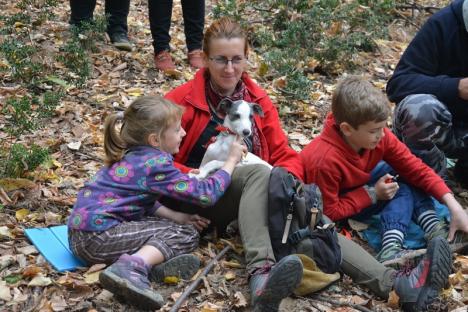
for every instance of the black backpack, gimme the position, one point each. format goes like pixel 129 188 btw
pixel 296 222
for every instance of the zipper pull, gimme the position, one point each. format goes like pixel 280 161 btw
pixel 286 228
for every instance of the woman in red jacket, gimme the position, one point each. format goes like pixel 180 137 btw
pixel 225 50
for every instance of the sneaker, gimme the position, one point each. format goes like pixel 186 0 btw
pixel 441 229
pixel 195 58
pixel 394 251
pixel 163 61
pixel 127 278
pixel 269 285
pixel 182 266
pixel 120 41
pixel 421 286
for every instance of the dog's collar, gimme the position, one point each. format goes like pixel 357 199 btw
pixel 223 129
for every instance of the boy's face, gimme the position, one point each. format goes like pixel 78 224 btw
pixel 367 135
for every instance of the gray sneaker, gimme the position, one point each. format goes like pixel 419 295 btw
pixel 420 287
pixel 182 266
pixel 120 41
pixel 394 251
pixel 268 286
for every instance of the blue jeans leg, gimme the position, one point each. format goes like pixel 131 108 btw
pixel 395 214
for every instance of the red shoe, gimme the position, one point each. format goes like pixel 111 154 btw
pixel 195 58
pixel 163 61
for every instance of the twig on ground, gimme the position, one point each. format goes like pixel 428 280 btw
pixel 419 252
pixel 336 302
pixel 198 280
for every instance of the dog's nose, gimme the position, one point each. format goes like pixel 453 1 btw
pixel 246 132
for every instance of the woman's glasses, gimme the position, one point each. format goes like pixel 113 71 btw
pixel 224 61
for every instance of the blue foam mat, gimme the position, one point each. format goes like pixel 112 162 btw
pixel 52 243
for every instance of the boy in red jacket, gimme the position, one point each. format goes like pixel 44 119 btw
pixel 354 161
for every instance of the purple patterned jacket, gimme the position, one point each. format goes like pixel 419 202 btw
pixel 130 189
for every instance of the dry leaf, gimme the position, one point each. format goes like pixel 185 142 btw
pixel 21 214
pixel 28 250
pixel 74 146
pixel 6 260
pixel 31 271
pixel 393 300
pixel 171 280
pixel 5 293
pixel 240 300
pixel 96 267
pixel 5 232
pixel 230 275
pixel 92 278
pixel 40 280
pixel 9 184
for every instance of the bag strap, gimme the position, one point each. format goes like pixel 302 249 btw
pixel 313 217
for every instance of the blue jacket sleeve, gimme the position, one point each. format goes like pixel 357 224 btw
pixel 419 69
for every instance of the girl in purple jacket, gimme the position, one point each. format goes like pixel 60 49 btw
pixel 118 217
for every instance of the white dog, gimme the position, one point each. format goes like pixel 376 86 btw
pixel 238 121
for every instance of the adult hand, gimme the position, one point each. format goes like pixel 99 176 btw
pixel 463 88
pixel 458 216
pixel 385 190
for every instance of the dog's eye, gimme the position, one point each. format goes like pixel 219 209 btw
pixel 235 116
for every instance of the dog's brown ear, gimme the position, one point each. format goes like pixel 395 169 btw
pixel 225 105
pixel 257 109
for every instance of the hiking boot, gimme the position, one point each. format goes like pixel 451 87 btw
pixel 195 58
pixel 441 229
pixel 269 285
pixel 420 287
pixel 120 41
pixel 128 278
pixel 182 266
pixel 163 61
pixel 390 253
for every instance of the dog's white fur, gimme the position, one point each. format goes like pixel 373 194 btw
pixel 239 118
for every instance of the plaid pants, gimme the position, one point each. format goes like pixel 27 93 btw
pixel 428 128
pixel 170 238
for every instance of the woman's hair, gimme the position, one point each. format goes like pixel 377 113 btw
pixel 356 101
pixel 145 115
pixel 224 28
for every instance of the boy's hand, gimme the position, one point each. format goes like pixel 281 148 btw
pixel 197 221
pixel 386 190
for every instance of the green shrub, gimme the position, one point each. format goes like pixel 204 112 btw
pixel 22 158
pixel 331 32
pixel 21 58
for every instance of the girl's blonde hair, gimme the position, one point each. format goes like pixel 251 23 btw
pixel 224 28
pixel 145 115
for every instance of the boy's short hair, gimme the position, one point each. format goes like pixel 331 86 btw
pixel 356 101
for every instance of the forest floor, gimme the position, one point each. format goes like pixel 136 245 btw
pixel 74 135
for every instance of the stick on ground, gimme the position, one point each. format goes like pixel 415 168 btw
pixel 196 282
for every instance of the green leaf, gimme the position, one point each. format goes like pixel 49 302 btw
pixel 58 81
pixel 13 278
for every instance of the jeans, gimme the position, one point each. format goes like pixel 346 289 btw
pixel 116 10
pixel 160 13
pixel 407 204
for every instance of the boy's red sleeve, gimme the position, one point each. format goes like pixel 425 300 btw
pixel 335 205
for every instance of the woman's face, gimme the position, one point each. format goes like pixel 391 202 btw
pixel 226 62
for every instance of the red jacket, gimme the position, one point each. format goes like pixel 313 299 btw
pixel 335 167
pixel 275 149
